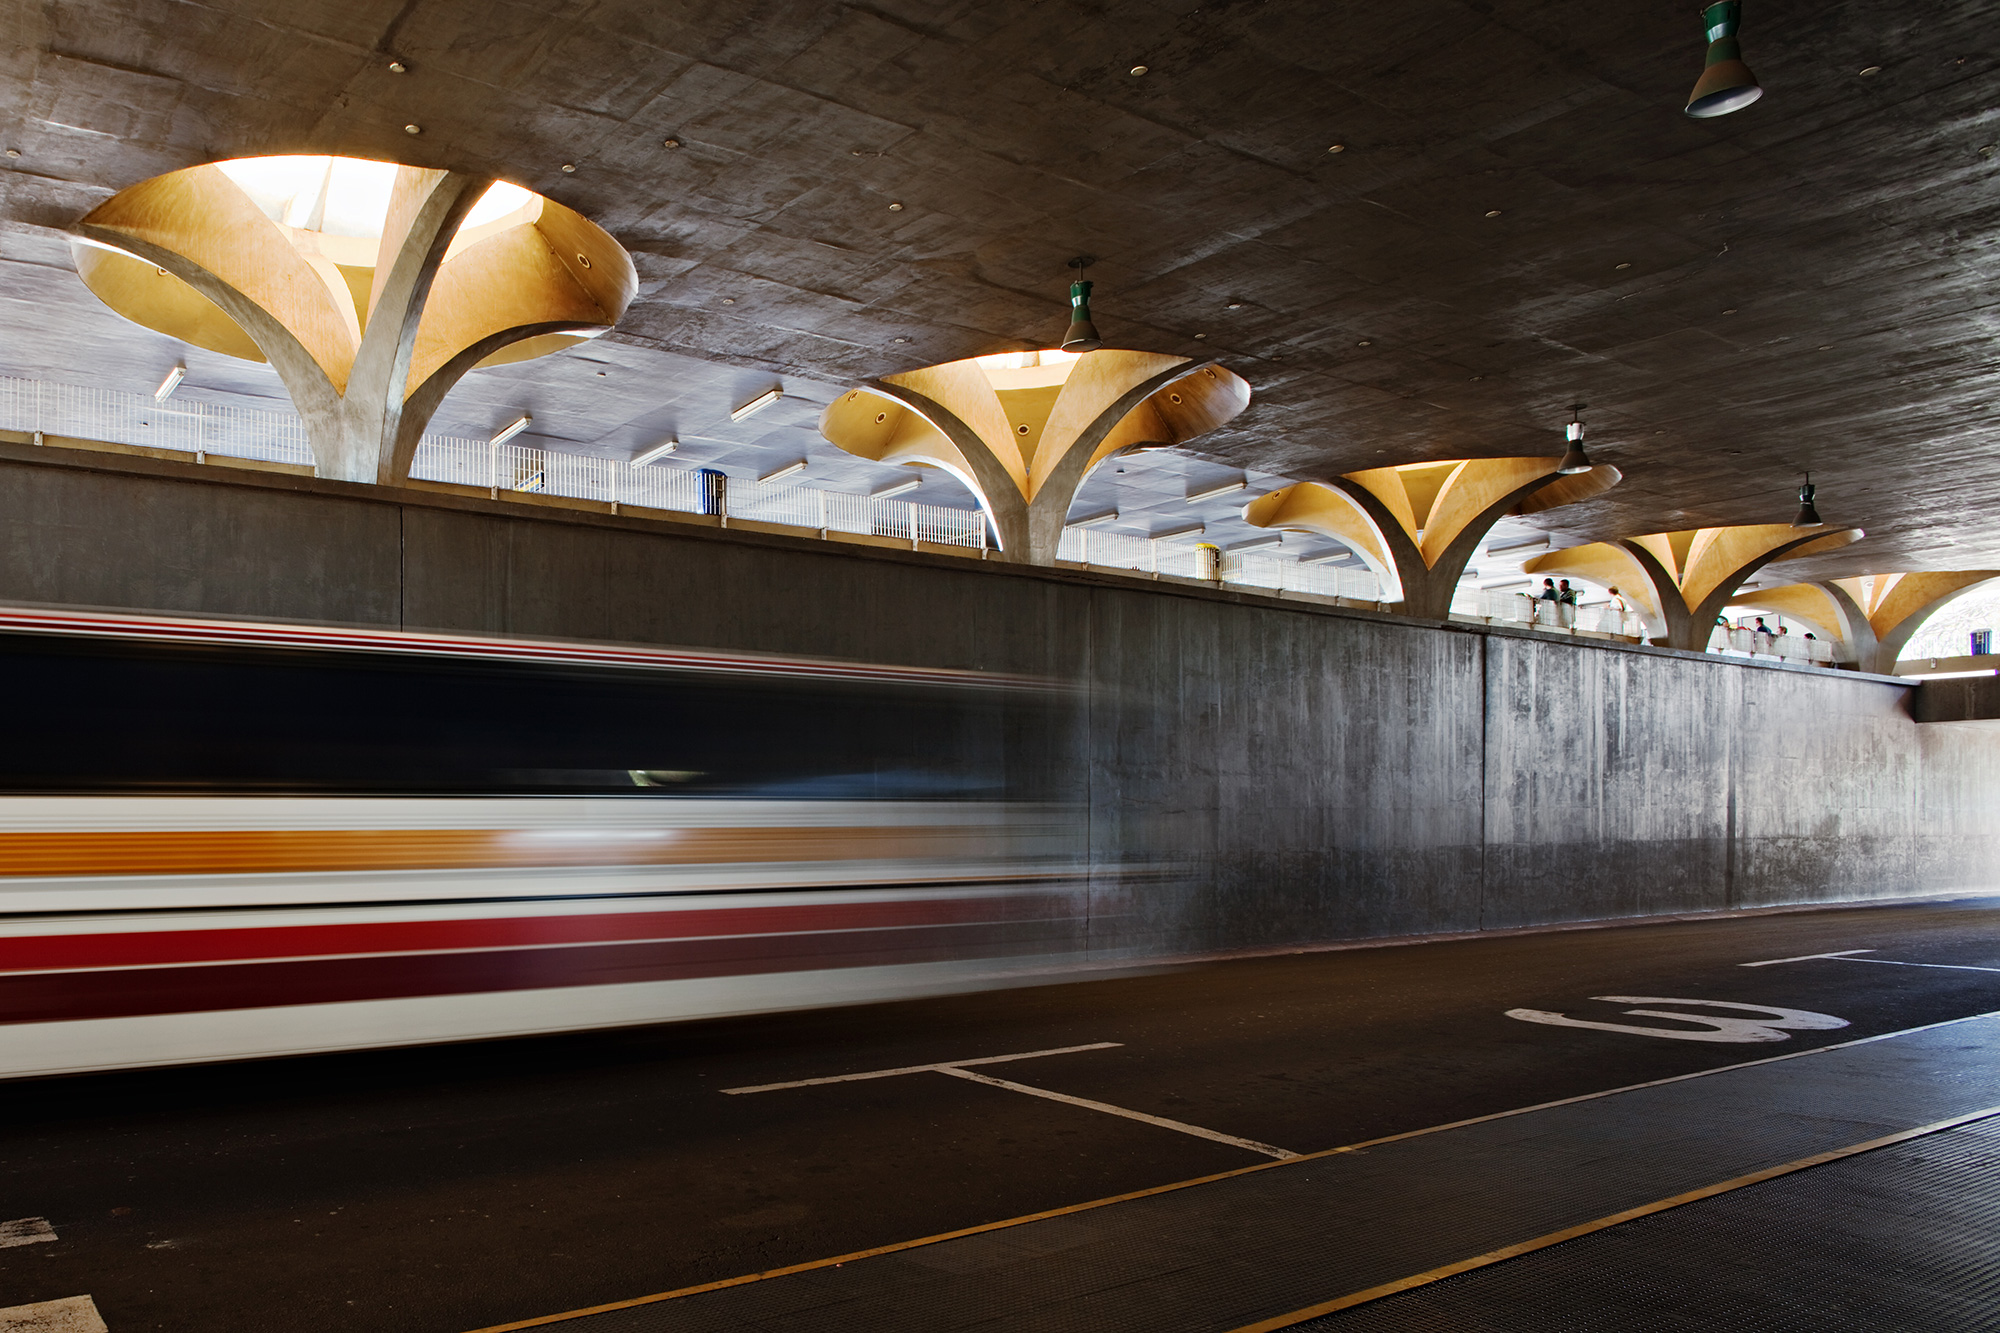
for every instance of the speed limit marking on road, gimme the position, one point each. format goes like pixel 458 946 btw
pixel 1770 1024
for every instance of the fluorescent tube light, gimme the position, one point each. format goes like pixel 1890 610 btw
pixel 511 429
pixel 789 469
pixel 1257 543
pixel 1184 530
pixel 169 384
pixel 1092 520
pixel 757 404
pixel 1506 583
pixel 656 453
pixel 900 488
pixel 1225 488
pixel 1323 558
pixel 1530 544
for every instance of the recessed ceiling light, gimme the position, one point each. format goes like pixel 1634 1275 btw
pixel 1871 70
pixel 15 152
pixel 413 129
pixel 1336 148
pixel 899 340
pixel 1234 305
pixel 1622 266
pixel 1826 347
pixel 1492 212
pixel 1138 70
pixel 1477 378
pixel 398 67
pixel 895 208
pixel 670 143
pixel 729 300
pixel 569 166
pixel 1730 311
pixel 1201 335
pixel 1366 342
pixel 600 374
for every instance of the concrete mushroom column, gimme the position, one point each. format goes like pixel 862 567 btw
pixel 368 334
pixel 1683 579
pixel 1022 431
pixel 1874 614
pixel 1421 522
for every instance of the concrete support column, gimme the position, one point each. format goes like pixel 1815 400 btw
pixel 1417 526
pixel 1023 434
pixel 367 340
pixel 1685 578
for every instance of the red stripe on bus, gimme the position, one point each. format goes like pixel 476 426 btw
pixel 150 948
pixel 68 996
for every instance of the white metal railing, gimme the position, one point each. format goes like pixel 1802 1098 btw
pixel 1508 608
pixel 189 425
pixel 184 424
pixel 1793 647
pixel 1181 559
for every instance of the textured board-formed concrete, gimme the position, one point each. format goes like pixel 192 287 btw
pixel 1905 1237
pixel 1255 1246
pixel 1295 773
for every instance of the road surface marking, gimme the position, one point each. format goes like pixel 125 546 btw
pixel 26 1231
pixel 1805 957
pixel 1603 1223
pixel 72 1314
pixel 1067 1210
pixel 1775 1027
pixel 921 1069
pixel 1196 1130
pixel 1847 956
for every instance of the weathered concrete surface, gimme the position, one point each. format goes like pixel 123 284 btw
pixel 1293 773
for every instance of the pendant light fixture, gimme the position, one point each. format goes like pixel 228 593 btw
pixel 1808 516
pixel 1726 84
pixel 1082 335
pixel 1574 460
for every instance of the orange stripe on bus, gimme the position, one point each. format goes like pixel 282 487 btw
pixel 247 851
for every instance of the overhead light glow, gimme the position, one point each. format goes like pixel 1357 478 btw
pixel 511 429
pixel 656 453
pixel 757 404
pixel 169 384
pixel 1241 483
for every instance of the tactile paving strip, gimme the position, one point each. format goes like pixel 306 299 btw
pixel 1225 1254
pixel 1906 1237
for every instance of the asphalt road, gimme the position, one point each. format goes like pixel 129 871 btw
pixel 452 1188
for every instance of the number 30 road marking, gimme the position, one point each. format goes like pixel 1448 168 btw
pixel 1770 1026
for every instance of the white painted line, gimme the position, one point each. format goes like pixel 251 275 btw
pixel 1196 1130
pixel 1949 967
pixel 1805 958
pixel 26 1231
pixel 921 1069
pixel 72 1314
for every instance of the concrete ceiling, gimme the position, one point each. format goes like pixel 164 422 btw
pixel 1806 284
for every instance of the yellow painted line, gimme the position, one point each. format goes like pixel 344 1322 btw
pixel 541 1321
pixel 1586 1228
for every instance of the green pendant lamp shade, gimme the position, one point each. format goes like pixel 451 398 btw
pixel 1727 84
pixel 1082 335
pixel 1808 514
pixel 1574 460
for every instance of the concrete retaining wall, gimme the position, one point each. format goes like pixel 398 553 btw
pixel 1307 773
